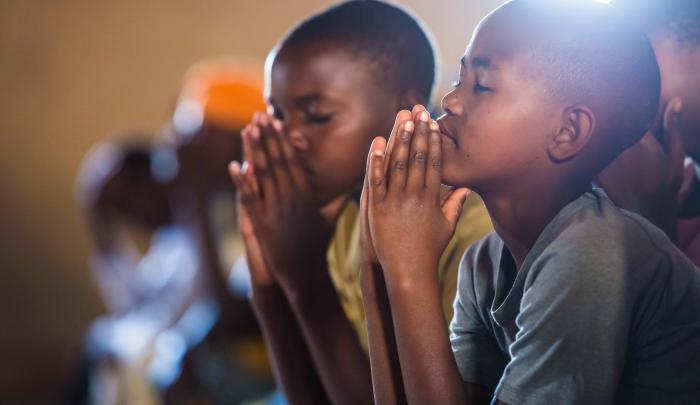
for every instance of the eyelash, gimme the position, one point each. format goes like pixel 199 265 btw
pixel 313 119
pixel 318 119
pixel 478 88
pixel 276 113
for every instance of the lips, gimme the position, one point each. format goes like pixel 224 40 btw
pixel 446 132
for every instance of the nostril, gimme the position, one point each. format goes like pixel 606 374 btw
pixel 450 103
pixel 298 140
pixel 446 107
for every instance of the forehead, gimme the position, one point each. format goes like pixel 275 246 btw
pixel 318 70
pixel 500 38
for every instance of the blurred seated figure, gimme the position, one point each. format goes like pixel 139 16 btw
pixel 218 98
pixel 119 194
pixel 156 301
pixel 164 227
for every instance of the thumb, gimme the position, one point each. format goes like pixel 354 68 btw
pixel 452 204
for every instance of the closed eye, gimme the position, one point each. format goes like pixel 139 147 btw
pixel 276 112
pixel 479 88
pixel 319 118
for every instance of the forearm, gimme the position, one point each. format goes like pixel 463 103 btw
pixel 332 341
pixel 428 367
pixel 383 355
pixel 201 229
pixel 292 365
pixel 235 314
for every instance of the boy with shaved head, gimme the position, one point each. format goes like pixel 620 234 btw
pixel 572 300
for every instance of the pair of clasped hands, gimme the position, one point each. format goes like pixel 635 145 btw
pixel 405 220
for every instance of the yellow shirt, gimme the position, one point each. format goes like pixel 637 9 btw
pixel 344 259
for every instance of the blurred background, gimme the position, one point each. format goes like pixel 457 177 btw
pixel 73 72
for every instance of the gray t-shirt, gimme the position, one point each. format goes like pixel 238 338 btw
pixel 605 309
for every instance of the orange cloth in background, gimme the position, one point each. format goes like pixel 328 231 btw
pixel 228 91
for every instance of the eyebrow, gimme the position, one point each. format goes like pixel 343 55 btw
pixel 304 102
pixel 483 63
pixel 309 98
pixel 301 101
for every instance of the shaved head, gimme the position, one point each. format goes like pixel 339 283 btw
pixel 584 52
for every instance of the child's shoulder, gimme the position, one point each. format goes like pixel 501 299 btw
pixel 603 243
pixel 594 224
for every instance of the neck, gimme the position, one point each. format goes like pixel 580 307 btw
pixel 519 215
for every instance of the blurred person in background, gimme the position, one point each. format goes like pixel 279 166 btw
pixel 145 267
pixel 174 330
pixel 218 98
pixel 658 177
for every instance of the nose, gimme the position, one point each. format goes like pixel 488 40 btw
pixel 451 103
pixel 297 135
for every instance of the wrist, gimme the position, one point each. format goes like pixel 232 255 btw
pixel 411 276
pixel 266 296
pixel 313 295
pixel 413 292
pixel 369 266
pixel 371 277
pixel 296 276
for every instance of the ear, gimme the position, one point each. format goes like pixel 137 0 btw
pixel 410 98
pixel 577 126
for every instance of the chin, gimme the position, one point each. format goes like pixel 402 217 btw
pixel 323 195
pixel 454 177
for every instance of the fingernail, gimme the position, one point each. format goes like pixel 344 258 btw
pixel 408 126
pixel 424 116
pixel 234 167
pixel 276 124
pixel 434 126
pixel 244 168
pixel 377 153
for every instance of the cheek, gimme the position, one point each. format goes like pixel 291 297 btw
pixel 493 143
pixel 339 159
pixel 488 130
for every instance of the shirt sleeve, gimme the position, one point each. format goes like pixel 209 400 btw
pixel 573 327
pixel 476 351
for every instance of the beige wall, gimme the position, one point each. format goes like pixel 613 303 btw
pixel 75 71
